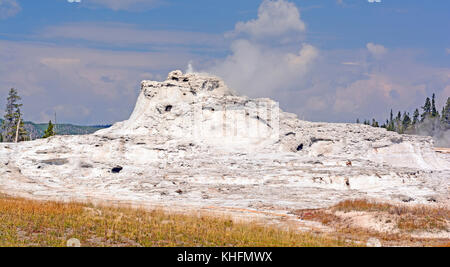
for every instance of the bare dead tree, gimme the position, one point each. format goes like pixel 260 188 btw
pixel 17 131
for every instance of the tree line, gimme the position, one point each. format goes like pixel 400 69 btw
pixel 426 121
pixel 12 128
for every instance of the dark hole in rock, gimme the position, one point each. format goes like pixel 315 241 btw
pixel 347 182
pixel 179 191
pixel 169 108
pixel 175 79
pixel 185 80
pixel 86 166
pixel 117 169
pixel 300 147
pixel 290 133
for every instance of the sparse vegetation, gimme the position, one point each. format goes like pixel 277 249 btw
pixel 33 223
pixel 414 218
pixel 402 221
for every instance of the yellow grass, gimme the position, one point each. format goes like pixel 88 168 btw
pixel 33 223
pixel 409 218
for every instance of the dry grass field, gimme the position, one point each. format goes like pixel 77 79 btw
pixel 26 222
pixel 34 223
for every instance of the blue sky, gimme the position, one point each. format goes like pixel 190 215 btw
pixel 330 60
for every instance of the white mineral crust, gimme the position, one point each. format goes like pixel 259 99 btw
pixel 191 141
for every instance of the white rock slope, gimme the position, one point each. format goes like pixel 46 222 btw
pixel 191 141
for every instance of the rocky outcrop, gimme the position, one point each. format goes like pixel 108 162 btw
pixel 193 141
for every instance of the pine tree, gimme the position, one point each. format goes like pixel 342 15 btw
pixel 375 123
pixel 445 120
pixel 357 121
pixel 434 112
pixel 416 117
pixel 426 109
pixel 12 118
pixel 406 123
pixel 49 132
pixel 398 123
pixel 390 124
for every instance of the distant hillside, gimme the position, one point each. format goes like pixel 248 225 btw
pixel 36 130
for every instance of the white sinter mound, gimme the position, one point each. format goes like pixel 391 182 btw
pixel 191 141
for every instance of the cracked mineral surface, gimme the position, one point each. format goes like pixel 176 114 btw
pixel 192 142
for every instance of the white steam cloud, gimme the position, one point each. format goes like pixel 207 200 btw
pixel 258 68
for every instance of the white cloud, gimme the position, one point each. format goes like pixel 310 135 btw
pixel 374 1
pixel 259 69
pixel 95 86
pixel 275 18
pixel 375 94
pixel 376 50
pixel 370 88
pixel 9 8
